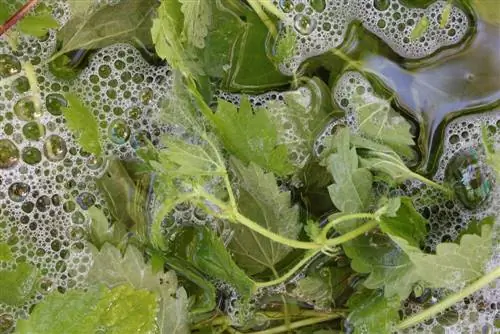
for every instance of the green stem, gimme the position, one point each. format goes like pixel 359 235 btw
pixel 267 5
pixel 299 324
pixel 307 257
pixel 257 8
pixel 344 218
pixel 436 185
pixel 352 234
pixel 450 300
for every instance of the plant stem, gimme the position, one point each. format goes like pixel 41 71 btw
pixel 307 257
pixel 344 218
pixel 17 16
pixel 352 234
pixel 267 5
pixel 450 300
pixel 257 8
pixel 298 324
pixel 436 185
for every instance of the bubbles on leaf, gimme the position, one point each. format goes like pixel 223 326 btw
pixel 9 65
pixel 9 154
pixel 18 191
pixel 119 131
pixel 55 148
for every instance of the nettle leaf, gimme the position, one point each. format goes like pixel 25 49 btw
pixel 348 178
pixel 37 25
pixel 453 265
pixel 376 254
pixel 197 18
pixel 301 116
pixel 122 309
pixel 18 284
pixel 83 124
pixel 261 200
pixel 210 255
pixel 251 135
pixel 126 21
pixel 371 312
pixel 113 269
pixel 378 121
pixel 321 287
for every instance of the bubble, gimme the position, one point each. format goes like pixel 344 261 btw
pixel 134 112
pixel 381 4
pixel 18 191
pixel 119 131
pixel 21 85
pixel 31 155
pixel 147 96
pixel 9 65
pixel 45 285
pixel 318 5
pixel 86 200
pixel 33 130
pixel 9 154
pixel 43 203
pixel 140 139
pixel 467 175
pixel 54 103
pixel 286 5
pixel 55 148
pixel 6 320
pixel 27 109
pixel 304 24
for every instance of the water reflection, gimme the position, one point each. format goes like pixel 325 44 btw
pixel 465 80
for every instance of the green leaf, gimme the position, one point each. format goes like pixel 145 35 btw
pixel 113 269
pixel 126 21
pixel 453 265
pixel 210 255
pixel 378 121
pixel 285 45
pixel 197 17
pixel 376 254
pixel 250 135
pixel 18 284
pixel 82 124
pixel 261 200
pixel 321 287
pixel 349 178
pixel 118 310
pixel 37 25
pixel 371 312
pixel 5 252
pixel 301 116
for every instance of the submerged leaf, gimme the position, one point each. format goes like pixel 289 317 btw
pixel 126 21
pixel 261 200
pixel 18 284
pixel 83 124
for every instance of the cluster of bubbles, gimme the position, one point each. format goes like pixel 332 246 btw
pixel 47 180
pixel 477 195
pixel 323 25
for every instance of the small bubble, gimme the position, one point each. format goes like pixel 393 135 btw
pixel 43 203
pixel 9 154
pixel 6 320
pixel 54 148
pixel 33 130
pixel 119 131
pixel 9 65
pixel 18 191
pixel 85 200
pixel 28 108
pixel 318 5
pixel 55 103
pixel 31 155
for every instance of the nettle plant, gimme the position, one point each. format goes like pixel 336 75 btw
pixel 261 256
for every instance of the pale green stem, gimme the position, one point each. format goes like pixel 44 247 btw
pixel 307 257
pixel 267 5
pixel 450 300
pixel 436 185
pixel 233 214
pixel 344 218
pixel 257 8
pixel 299 324
pixel 352 234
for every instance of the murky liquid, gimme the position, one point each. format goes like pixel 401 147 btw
pixel 447 85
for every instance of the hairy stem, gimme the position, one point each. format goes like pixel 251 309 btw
pixel 332 223
pixel 450 300
pixel 17 16
pixel 307 257
pixel 352 234
pixel 299 324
